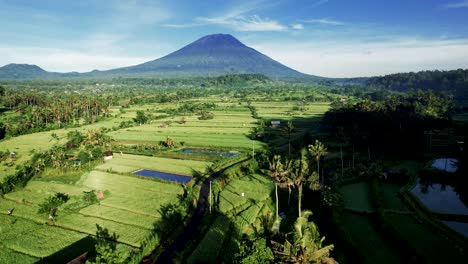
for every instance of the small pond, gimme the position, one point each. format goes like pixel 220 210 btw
pixel 439 198
pixel 164 176
pixel 460 227
pixel 224 154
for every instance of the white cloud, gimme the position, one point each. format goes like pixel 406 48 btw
pixel 297 26
pixel 238 19
pixel 362 58
pixel 241 23
pixel 457 5
pixel 62 60
pixel 324 21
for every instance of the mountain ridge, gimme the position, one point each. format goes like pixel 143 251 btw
pixel 211 55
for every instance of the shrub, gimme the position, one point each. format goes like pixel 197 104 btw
pixel 206 115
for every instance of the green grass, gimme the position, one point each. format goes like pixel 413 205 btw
pixel 254 187
pixel 390 197
pixel 130 208
pixel 228 129
pixel 366 238
pixel 9 256
pixel 122 215
pixel 38 240
pixel 357 196
pixel 210 246
pixel 128 234
pixel 127 163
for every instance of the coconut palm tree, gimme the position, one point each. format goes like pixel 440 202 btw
pixel 277 171
pixel 304 244
pixel 289 130
pixel 318 150
pixel 301 174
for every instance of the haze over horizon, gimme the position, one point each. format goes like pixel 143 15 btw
pixel 323 37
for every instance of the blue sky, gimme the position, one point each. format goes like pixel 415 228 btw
pixel 334 38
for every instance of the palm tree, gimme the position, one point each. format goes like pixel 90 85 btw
pixel 318 150
pixel 342 140
pixel 289 130
pixel 300 174
pixel 277 171
pixel 304 244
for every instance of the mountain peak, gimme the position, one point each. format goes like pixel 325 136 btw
pixel 218 40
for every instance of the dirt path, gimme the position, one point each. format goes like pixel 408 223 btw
pixel 192 227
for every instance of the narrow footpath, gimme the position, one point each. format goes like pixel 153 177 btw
pixel 192 228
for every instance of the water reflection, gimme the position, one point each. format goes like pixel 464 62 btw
pixel 439 197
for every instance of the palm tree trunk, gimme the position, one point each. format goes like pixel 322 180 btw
pixel 342 165
pixel 300 199
pixel 353 155
pixel 368 150
pixel 289 195
pixel 318 167
pixel 276 193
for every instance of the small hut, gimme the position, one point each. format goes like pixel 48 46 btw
pixel 275 123
pixel 108 155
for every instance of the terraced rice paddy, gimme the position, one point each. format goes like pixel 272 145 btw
pixel 228 129
pixel 130 208
pixel 357 197
pixel 127 163
pixel 425 241
pixel 243 212
pixel 365 236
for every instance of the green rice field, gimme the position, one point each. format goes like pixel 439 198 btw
pixel 357 196
pixel 127 163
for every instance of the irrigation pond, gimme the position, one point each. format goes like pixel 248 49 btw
pixel 164 176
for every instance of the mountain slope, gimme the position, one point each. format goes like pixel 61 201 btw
pixel 22 71
pixel 212 55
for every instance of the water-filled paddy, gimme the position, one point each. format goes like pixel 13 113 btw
pixel 439 198
pixel 460 227
pixel 446 164
pixel 164 176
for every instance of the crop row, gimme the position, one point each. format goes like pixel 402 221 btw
pixel 208 249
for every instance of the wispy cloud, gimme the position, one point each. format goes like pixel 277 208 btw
pixel 297 26
pixel 324 21
pixel 239 18
pixel 462 4
pixel 241 23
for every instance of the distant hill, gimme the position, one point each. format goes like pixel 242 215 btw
pixel 454 82
pixel 22 71
pixel 212 55
pixel 425 80
pixel 29 71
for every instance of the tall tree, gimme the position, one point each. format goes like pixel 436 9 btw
pixel 288 130
pixel 300 174
pixel 277 171
pixel 318 150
